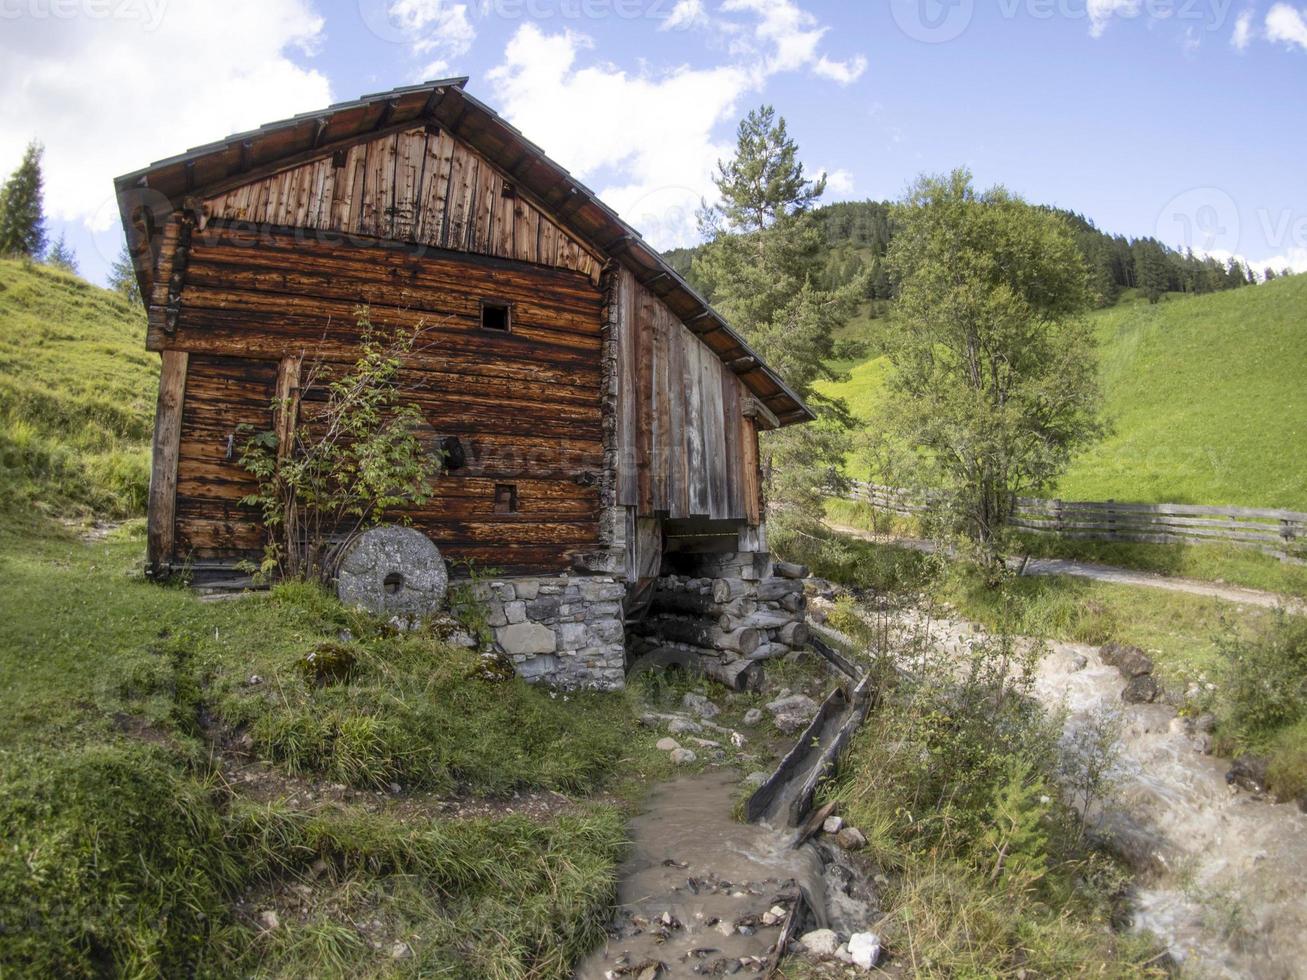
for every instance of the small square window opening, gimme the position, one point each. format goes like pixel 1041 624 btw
pixel 505 498
pixel 496 316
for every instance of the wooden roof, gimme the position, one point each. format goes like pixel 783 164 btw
pixel 146 196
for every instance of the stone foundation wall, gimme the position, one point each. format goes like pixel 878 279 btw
pixel 564 630
pixel 736 609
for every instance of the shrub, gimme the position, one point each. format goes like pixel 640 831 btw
pixel 325 478
pixel 1265 682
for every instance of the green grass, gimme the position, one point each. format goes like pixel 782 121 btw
pixel 131 848
pixel 76 397
pixel 1205 395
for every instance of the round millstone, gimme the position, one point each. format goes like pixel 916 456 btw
pixel 395 572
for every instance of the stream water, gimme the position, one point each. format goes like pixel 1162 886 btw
pixel 1220 871
pixel 698 891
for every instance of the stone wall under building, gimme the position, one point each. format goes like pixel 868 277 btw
pixel 563 630
pixel 726 610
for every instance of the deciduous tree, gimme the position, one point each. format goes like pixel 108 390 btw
pixel 994 383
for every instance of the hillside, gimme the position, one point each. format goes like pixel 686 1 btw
pixel 1205 394
pixel 76 396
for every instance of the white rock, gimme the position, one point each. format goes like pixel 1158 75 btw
pixel 268 919
pixel 683 757
pixel 400 951
pixel 832 825
pixel 821 942
pixel 667 745
pixel 864 948
pixel 775 914
pixel 753 716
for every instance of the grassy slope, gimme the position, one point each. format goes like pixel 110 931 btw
pixel 156 800
pixel 76 396
pixel 1205 393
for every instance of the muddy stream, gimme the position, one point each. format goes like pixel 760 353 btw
pixel 703 895
pixel 1220 871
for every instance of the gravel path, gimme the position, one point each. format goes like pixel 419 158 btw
pixel 1112 573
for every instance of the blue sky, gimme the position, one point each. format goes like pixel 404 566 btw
pixel 1177 118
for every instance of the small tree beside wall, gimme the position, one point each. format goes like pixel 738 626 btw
pixel 994 382
pixel 335 466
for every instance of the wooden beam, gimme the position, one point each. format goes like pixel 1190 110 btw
pixel 760 413
pixel 286 406
pixel 387 113
pixel 319 130
pixel 161 525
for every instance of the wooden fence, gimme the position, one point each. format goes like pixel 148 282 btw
pixel 1279 532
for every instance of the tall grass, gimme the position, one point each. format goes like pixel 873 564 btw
pixel 76 397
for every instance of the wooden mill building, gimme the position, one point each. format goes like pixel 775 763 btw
pixel 604 414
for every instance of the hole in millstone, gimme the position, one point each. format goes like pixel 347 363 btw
pixel 392 583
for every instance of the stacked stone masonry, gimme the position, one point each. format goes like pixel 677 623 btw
pixel 565 630
pixel 728 614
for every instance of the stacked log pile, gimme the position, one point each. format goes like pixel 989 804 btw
pixel 730 622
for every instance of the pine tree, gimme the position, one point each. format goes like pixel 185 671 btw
pixel 761 268
pixel 22 217
pixel 122 276
pixel 1151 270
pixel 62 255
pixel 1269 274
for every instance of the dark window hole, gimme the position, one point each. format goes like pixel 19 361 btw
pixel 496 316
pixel 505 498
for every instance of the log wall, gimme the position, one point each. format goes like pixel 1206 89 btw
pixel 525 404
pixel 684 438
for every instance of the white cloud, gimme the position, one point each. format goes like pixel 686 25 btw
pixel 839 183
pixel 659 146
pixel 843 72
pixel 1102 11
pixel 1243 31
pixel 686 14
pixel 1294 258
pixel 658 132
pixel 433 28
pixel 109 95
pixel 1287 24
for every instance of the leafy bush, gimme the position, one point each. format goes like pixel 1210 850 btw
pixel 951 779
pixel 1266 682
pixel 325 476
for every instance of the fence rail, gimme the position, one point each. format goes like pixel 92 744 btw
pixel 1279 532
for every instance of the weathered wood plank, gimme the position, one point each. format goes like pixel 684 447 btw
pixel 628 494
pixel 645 402
pixel 697 466
pixel 161 527
pixel 751 472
